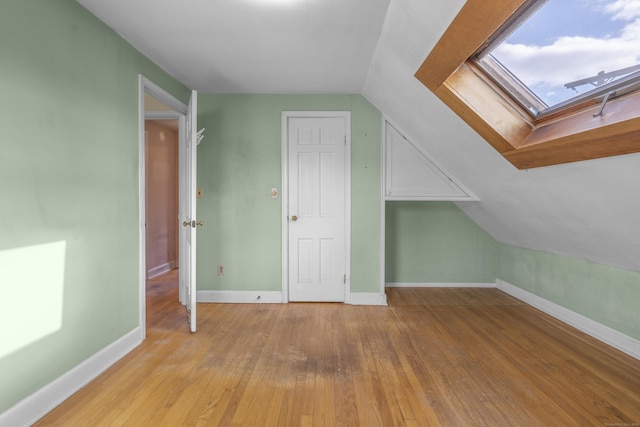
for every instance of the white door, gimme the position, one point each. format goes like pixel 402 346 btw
pixel 317 148
pixel 188 222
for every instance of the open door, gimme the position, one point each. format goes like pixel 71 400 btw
pixel 187 177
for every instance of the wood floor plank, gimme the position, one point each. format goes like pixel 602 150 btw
pixel 432 357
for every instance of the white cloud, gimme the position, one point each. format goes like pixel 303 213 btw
pixel 624 9
pixel 631 32
pixel 571 58
pixel 568 59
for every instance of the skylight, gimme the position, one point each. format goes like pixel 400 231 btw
pixel 560 52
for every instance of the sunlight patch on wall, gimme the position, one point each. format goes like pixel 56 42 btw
pixel 32 288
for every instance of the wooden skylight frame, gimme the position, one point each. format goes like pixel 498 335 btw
pixel 569 136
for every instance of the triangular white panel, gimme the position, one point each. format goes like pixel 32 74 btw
pixel 411 175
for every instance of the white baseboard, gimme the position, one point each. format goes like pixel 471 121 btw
pixel 275 297
pixel 439 285
pixel 367 298
pixel 161 269
pixel 609 336
pixel 240 297
pixel 33 407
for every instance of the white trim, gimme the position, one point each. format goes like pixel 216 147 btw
pixel 430 199
pixel 618 340
pixel 383 210
pixel 439 285
pixel 469 196
pixel 284 197
pixel 147 86
pixel 182 264
pixel 347 203
pixel 367 298
pixel 33 407
pixel 142 210
pixel 161 269
pixel 240 297
pixel 162 95
pixel 286 115
pixel 161 115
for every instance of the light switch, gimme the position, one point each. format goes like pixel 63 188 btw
pixel 274 193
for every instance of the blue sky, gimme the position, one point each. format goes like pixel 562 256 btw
pixel 567 40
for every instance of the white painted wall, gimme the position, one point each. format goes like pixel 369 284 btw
pixel 588 210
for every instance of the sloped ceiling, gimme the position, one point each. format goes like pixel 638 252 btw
pixel 588 210
pixel 253 46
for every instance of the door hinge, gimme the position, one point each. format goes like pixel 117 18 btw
pixel 344 279
pixel 345 140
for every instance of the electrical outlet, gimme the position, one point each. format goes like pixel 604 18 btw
pixel 220 270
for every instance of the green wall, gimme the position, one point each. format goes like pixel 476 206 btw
pixel 69 217
pixel 608 295
pixel 68 189
pixel 436 242
pixel 239 161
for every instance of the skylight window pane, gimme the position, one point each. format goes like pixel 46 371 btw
pixel 567 48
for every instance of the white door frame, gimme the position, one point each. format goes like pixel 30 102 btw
pixel 286 115
pixel 180 109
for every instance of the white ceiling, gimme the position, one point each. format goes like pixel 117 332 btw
pixel 588 210
pixel 253 46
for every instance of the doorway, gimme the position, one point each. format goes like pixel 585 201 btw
pixel 316 206
pixel 186 118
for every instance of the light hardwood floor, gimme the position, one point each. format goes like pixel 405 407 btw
pixel 450 357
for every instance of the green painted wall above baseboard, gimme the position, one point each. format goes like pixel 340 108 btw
pixel 239 161
pixel 607 295
pixel 69 245
pixel 436 242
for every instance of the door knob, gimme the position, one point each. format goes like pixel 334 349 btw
pixel 192 223
pixel 294 218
